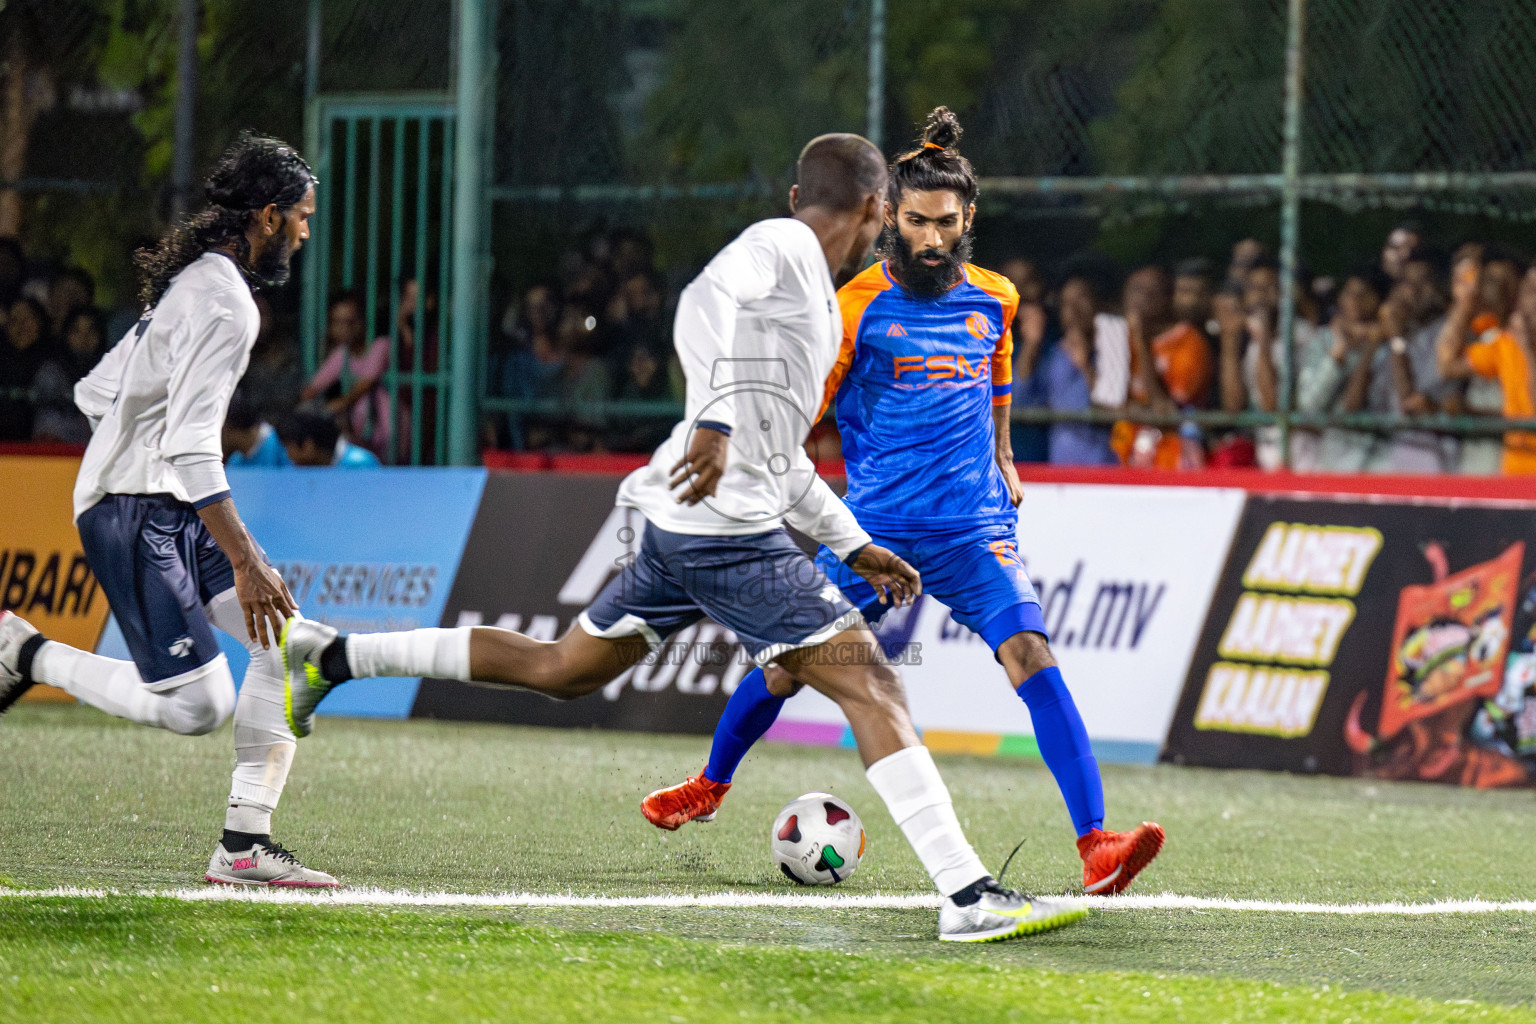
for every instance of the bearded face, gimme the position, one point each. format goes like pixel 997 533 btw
pixel 927 241
pixel 271 267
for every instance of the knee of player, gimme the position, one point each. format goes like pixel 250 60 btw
pixel 552 675
pixel 1026 653
pixel 199 708
pixel 877 686
pixel 780 683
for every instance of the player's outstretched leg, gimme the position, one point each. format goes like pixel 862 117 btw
pixel 191 703
pixel 850 670
pixel 316 659
pixel 1111 860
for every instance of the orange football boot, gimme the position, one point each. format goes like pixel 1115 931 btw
pixel 696 799
pixel 1111 860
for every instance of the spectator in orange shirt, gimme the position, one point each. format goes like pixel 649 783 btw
pixel 1474 343
pixel 1171 369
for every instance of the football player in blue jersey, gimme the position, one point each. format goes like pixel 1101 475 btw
pixel 921 390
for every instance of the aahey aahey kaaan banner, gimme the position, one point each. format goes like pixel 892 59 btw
pixel 1389 639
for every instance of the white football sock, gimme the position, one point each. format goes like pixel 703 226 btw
pixel 909 783
pixel 434 653
pixel 264 745
pixel 192 703
pixel 264 749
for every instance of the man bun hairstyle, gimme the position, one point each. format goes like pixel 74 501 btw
pixel 838 171
pixel 253 173
pixel 936 163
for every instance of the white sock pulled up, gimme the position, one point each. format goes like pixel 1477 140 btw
pixel 264 749
pixel 434 653
pixel 909 783
pixel 264 745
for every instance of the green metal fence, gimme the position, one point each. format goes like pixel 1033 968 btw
pixel 383 227
pixel 623 111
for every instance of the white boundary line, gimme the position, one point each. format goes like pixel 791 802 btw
pixel 737 900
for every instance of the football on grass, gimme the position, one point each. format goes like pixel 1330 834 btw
pixel 818 840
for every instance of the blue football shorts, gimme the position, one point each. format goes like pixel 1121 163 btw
pixel 978 574
pixel 159 566
pixel 762 587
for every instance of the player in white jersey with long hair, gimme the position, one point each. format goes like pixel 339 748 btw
pixel 757 333
pixel 156 519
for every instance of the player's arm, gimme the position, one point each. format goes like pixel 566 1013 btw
pixel 1002 400
pixel 1451 346
pixel 197 399
pixel 704 334
pixel 1001 426
pixel 1147 378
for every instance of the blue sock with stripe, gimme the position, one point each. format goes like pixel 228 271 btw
pixel 751 710
pixel 1063 742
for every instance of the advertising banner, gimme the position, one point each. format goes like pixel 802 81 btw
pixel 364 550
pixel 43 575
pixel 1124 574
pixel 1390 639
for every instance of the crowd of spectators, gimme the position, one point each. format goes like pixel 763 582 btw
pixel 51 334
pixel 1413 333
pixel 598 332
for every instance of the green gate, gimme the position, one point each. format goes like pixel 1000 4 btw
pixel 383 219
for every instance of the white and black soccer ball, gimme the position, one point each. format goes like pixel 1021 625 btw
pixel 818 840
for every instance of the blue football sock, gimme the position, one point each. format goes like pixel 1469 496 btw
pixel 752 709
pixel 1063 742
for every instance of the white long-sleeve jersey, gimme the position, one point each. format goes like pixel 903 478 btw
pixel 157 400
pixel 757 333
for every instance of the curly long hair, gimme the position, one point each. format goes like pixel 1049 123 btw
pixel 254 172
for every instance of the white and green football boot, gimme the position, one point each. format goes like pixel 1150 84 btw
pixel 303 685
pixel 1000 914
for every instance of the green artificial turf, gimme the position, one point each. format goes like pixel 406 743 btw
pixel 155 960
pixel 87 801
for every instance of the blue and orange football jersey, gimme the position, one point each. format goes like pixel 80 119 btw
pixel 913 391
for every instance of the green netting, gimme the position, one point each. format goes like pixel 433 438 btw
pixel 1420 85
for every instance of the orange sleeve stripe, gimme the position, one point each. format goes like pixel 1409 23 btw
pixel 1002 358
pixel 853 299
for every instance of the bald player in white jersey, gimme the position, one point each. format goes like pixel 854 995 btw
pixel 757 334
pixel 156 520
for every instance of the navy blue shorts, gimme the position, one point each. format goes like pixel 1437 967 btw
pixel 158 565
pixel 762 587
pixel 978 574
